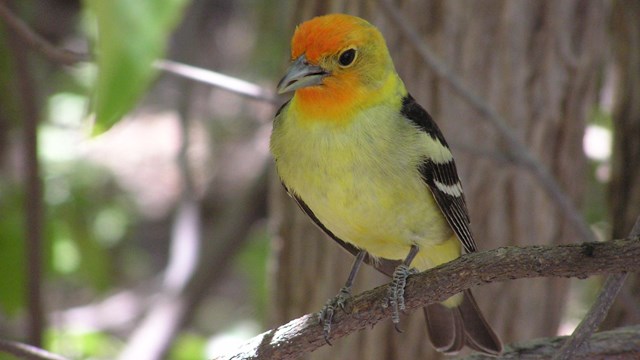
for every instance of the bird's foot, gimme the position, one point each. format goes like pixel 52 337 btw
pixel 325 316
pixel 395 296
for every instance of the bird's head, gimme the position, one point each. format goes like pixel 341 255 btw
pixel 337 61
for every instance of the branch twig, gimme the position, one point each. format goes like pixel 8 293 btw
pixel 598 311
pixel 518 150
pixel 37 42
pixel 33 204
pixel 24 351
pixel 303 335
pixel 621 343
pixel 67 57
pixel 225 82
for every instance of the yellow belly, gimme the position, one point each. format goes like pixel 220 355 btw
pixel 383 215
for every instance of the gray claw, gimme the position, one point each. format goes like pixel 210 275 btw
pixel 395 295
pixel 325 316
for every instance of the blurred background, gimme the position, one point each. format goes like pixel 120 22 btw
pixel 140 217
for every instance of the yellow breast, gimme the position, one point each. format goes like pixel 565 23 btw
pixel 361 179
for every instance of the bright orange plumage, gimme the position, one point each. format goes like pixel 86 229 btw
pixel 326 35
pixel 322 40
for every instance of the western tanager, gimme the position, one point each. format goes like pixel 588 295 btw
pixel 371 168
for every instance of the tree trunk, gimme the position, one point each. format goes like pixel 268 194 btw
pixel 537 64
pixel 624 189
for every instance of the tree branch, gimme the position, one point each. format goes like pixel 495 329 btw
pixel 222 81
pixel 29 116
pixel 37 42
pixel 24 351
pixel 622 343
pixel 598 311
pixel 304 335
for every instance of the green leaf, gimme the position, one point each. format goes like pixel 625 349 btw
pixel 131 35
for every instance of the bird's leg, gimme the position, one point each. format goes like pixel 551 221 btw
pixel 326 314
pixel 395 296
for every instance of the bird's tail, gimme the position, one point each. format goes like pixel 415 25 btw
pixel 452 328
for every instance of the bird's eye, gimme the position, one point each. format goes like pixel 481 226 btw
pixel 347 57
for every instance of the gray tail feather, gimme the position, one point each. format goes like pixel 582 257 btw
pixel 452 328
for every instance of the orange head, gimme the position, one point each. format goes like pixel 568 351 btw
pixel 338 61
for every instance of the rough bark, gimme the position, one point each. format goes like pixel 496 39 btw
pixel 624 189
pixel 536 63
pixel 619 344
pixel 303 335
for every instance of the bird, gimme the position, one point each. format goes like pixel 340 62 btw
pixel 371 168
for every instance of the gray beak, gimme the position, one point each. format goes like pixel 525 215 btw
pixel 301 74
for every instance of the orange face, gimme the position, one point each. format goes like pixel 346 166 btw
pixel 338 60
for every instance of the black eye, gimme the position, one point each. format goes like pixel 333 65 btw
pixel 347 57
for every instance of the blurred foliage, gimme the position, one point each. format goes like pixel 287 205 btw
pixel 188 346
pixel 97 243
pixel 252 262
pixel 91 216
pixel 12 275
pixel 86 217
pixel 130 36
pixel 86 212
pixel 99 345
pixel 602 117
pixel 82 344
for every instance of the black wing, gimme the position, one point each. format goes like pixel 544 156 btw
pixel 442 176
